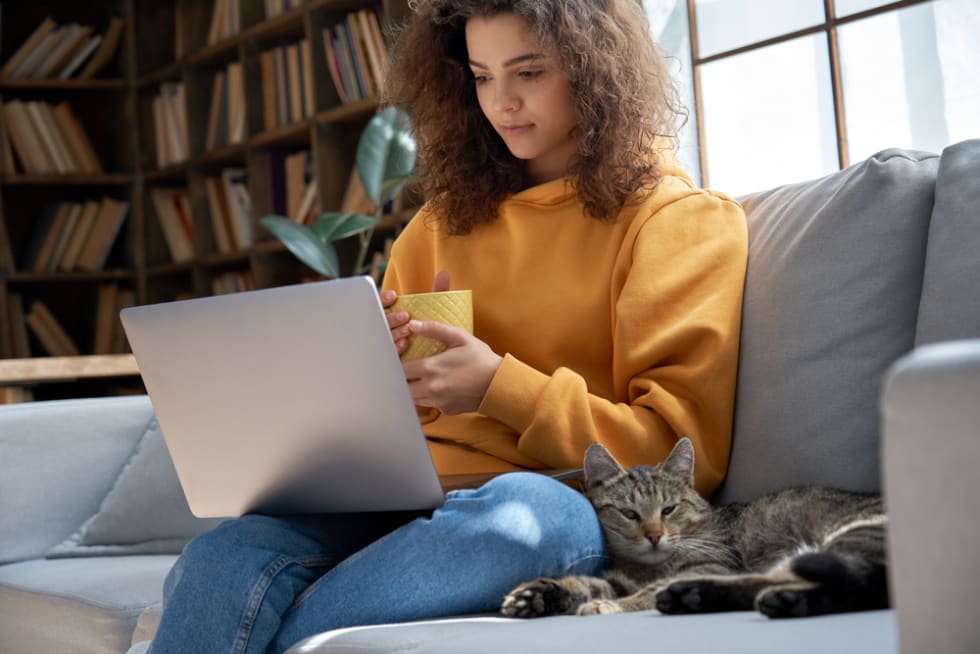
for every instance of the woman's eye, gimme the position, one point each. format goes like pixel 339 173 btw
pixel 629 514
pixel 529 74
pixel 667 510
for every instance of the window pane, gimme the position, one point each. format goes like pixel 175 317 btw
pixel 910 78
pixel 769 116
pixel 727 24
pixel 848 7
pixel 669 26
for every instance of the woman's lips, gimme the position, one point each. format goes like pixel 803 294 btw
pixel 514 130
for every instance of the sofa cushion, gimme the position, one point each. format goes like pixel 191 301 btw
pixel 85 606
pixel 145 512
pixel 59 460
pixel 831 296
pixel 732 633
pixel 950 307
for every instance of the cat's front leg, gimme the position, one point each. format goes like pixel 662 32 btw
pixel 545 596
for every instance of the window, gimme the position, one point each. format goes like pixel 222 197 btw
pixel 786 91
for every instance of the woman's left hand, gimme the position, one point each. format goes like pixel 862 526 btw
pixel 456 379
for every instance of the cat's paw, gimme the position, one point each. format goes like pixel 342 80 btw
pixel 599 607
pixel 782 603
pixel 535 599
pixel 689 597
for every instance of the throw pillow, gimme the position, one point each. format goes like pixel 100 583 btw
pixel 145 512
pixel 831 296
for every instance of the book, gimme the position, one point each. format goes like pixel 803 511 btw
pixel 80 57
pixel 267 70
pixel 105 318
pixel 76 37
pixel 218 209
pixel 333 66
pixel 98 245
pixel 64 237
pixel 235 82
pixel 125 298
pixel 177 239
pixel 25 141
pixel 294 85
pixel 106 51
pixel 50 137
pixel 76 139
pixel 356 39
pixel 7 165
pixel 38 35
pixel 45 254
pixel 49 332
pixel 296 180
pixel 239 206
pixel 36 55
pixel 217 133
pixel 364 19
pixel 19 346
pixel 90 209
pixel 306 65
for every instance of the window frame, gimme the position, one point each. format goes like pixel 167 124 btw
pixel 829 27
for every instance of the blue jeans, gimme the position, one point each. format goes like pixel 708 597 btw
pixel 259 583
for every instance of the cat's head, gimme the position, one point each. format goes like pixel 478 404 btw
pixel 646 512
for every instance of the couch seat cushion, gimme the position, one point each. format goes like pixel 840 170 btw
pixel 872 632
pixel 77 606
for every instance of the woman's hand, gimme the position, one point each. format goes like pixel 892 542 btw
pixel 456 379
pixel 398 320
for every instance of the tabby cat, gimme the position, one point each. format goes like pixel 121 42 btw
pixel 798 552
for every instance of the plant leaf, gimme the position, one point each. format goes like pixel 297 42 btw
pixel 336 225
pixel 302 242
pixel 386 150
pixel 391 187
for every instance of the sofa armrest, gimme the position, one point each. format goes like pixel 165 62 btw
pixel 58 460
pixel 931 456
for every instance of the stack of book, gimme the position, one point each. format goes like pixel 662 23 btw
pixel 48 139
pixel 356 55
pixel 226 120
pixel 75 235
pixel 173 209
pixel 170 124
pixel 226 20
pixel 231 209
pixel 55 51
pixel 18 344
pixel 287 84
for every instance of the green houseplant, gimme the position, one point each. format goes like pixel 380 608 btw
pixel 385 161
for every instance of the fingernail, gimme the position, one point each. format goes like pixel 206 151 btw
pixel 416 325
pixel 387 296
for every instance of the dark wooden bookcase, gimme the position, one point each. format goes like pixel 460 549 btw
pixel 115 109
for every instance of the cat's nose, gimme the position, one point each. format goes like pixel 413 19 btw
pixel 653 537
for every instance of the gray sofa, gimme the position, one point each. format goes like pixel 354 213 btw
pixel 860 368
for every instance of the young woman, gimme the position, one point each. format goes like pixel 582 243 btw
pixel 607 292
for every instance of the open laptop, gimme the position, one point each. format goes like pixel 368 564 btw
pixel 287 400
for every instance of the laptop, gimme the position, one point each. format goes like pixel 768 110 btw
pixel 289 400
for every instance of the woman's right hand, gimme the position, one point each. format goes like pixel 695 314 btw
pixel 398 320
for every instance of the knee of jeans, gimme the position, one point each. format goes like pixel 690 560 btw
pixel 214 552
pixel 559 513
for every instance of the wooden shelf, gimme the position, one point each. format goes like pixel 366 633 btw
pixel 19 372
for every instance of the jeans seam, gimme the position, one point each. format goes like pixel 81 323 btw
pixel 260 589
pixel 587 557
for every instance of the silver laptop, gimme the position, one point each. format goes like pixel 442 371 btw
pixel 287 400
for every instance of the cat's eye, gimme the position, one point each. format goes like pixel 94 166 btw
pixel 629 514
pixel 667 510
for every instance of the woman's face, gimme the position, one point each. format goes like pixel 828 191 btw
pixel 523 93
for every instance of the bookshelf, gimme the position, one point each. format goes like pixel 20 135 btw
pixel 147 113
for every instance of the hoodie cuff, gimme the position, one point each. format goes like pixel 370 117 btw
pixel 513 394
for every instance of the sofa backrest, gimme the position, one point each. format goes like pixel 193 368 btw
pixel 832 293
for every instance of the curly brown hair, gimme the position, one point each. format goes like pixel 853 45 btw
pixel 625 101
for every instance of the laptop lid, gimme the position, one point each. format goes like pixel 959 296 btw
pixel 288 400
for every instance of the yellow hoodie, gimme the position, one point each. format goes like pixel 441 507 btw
pixel 624 333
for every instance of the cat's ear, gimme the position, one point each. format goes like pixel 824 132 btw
pixel 680 461
pixel 599 465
